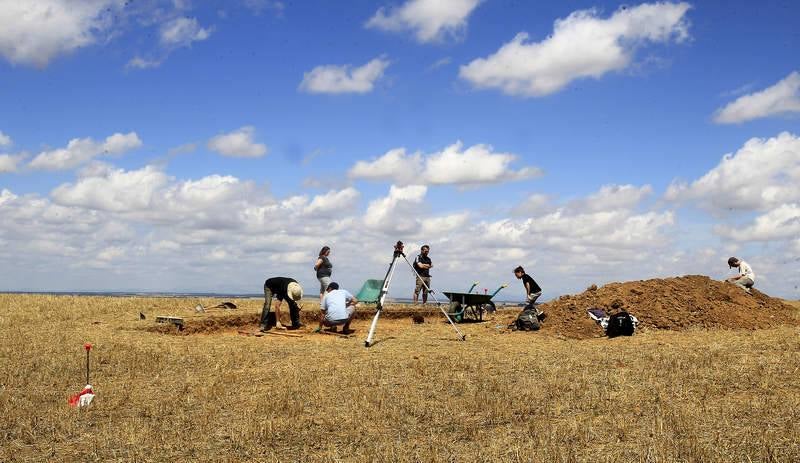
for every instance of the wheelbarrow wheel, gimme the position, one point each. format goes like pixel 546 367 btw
pixel 456 312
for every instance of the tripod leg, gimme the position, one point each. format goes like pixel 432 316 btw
pixel 372 327
pixel 461 335
pixel 387 280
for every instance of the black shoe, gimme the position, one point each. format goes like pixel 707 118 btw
pixel 264 329
pixel 295 327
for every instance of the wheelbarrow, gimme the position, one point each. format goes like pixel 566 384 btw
pixel 471 305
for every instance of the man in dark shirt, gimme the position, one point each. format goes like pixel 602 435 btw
pixel 532 289
pixel 423 264
pixel 283 289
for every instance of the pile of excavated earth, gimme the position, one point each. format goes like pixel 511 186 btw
pixel 681 303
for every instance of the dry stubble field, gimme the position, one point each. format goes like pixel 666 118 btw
pixel 417 395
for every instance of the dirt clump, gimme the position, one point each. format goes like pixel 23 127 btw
pixel 680 303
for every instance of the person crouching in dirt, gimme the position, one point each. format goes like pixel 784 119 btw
pixel 746 278
pixel 338 308
pixel 282 289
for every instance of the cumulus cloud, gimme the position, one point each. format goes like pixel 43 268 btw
pixel 611 197
pixel 455 165
pixel 396 212
pixel 344 79
pixel 115 190
pixel 332 202
pixel 35 32
pixel 781 223
pixel 238 143
pixel 182 32
pixel 781 98
pixel 10 162
pixel 762 174
pixel 582 45
pixel 81 150
pixel 428 20
pixel 5 140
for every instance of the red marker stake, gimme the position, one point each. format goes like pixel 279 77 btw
pixel 88 347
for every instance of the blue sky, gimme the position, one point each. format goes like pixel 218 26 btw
pixel 590 152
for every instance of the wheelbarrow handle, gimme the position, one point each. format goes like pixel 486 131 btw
pixel 504 285
pixel 474 284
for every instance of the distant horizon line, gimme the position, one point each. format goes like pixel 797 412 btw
pixel 175 294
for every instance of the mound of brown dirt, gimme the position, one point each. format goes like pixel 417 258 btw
pixel 680 303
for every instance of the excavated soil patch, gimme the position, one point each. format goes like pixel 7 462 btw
pixel 228 320
pixel 681 303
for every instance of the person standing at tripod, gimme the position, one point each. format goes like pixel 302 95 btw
pixel 422 265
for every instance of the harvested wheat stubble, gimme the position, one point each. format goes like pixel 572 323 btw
pixel 680 303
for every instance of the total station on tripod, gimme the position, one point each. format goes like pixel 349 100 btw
pixel 398 249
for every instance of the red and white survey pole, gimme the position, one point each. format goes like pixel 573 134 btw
pixel 85 397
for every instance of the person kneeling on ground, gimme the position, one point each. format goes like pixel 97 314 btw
pixel 283 289
pixel 746 278
pixel 338 308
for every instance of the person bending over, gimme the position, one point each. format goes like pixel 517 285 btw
pixel 746 278
pixel 338 308
pixel 282 289
pixel 532 289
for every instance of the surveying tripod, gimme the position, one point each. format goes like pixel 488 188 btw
pixel 398 253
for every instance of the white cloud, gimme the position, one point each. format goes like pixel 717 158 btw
pixel 116 190
pixel 396 165
pixel 582 45
pixel 763 174
pixel 534 204
pixel 5 140
pixel 138 62
pixel 258 6
pixel 477 164
pixel 238 143
pixel 10 162
pixel 181 32
pixel 781 223
pixel 611 197
pixel 429 20
pixel 82 150
pixel 333 202
pixel 33 32
pixel 781 98
pixel 398 211
pixel 111 253
pixel 344 79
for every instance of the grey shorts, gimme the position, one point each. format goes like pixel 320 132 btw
pixel 323 283
pixel 422 287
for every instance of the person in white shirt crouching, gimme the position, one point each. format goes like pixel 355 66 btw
pixel 746 278
pixel 338 308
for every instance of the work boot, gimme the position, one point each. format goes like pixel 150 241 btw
pixel 295 327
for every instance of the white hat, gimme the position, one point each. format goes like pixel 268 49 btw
pixel 295 291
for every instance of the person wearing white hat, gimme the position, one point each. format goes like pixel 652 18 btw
pixel 283 289
pixel 746 277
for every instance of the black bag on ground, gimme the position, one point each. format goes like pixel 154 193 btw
pixel 620 324
pixel 527 321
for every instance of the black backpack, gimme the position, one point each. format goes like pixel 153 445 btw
pixel 620 324
pixel 527 321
